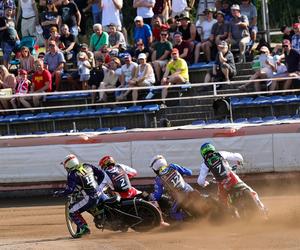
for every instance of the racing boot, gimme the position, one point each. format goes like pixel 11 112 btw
pixel 83 230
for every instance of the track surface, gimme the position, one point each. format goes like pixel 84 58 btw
pixel 40 224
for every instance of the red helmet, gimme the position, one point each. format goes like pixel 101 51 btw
pixel 106 161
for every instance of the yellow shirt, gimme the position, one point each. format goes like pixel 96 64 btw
pixel 180 63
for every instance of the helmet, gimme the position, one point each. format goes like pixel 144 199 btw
pixel 157 162
pixel 206 148
pixel 70 162
pixel 106 161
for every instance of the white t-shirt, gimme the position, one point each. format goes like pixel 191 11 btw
pixel 82 70
pixel 179 5
pixel 110 14
pixel 127 71
pixel 27 9
pixel 146 12
pixel 206 28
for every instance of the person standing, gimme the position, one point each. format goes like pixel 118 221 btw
pixel 144 9
pixel 111 14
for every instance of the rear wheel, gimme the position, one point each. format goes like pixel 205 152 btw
pixel 246 204
pixel 72 227
pixel 149 214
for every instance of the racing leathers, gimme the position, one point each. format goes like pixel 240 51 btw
pixel 117 178
pixel 86 178
pixel 169 179
pixel 222 164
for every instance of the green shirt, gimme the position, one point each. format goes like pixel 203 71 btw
pixel 161 48
pixel 96 43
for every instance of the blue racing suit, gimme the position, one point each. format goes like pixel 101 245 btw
pixel 170 178
pixel 87 178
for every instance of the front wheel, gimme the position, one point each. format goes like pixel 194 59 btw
pixel 72 227
pixel 149 214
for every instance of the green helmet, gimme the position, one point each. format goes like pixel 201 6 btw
pixel 205 148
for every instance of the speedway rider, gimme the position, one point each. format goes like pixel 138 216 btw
pixel 117 177
pixel 218 164
pixel 169 178
pixel 86 177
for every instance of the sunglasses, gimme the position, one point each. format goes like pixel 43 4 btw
pixel 163 34
pixel 285 46
pixel 139 44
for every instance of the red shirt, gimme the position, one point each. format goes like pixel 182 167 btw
pixel 39 80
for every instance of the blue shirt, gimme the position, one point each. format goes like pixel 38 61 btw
pixel 143 33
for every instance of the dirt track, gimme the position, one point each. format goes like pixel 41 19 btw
pixel 42 226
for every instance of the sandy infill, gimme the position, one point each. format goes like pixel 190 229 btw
pixel 42 226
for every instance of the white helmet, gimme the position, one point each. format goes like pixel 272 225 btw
pixel 70 162
pixel 157 162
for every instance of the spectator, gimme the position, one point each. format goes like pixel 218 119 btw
pixel 54 36
pixel 161 54
pixel 205 4
pixel 238 31
pixel 69 14
pixel 287 33
pixel 144 76
pixel 296 37
pixel 140 48
pixel 41 81
pixel 292 59
pixel 22 88
pixel 224 67
pixel 180 7
pixel 128 72
pixel 81 5
pixel 176 73
pixel 144 9
pixel 28 12
pixel 48 19
pixel 249 10
pixel 26 61
pixel 174 24
pixel 68 43
pixel 104 54
pixel 98 39
pixel 206 38
pixel 218 5
pixel 84 68
pixel 187 29
pixel 266 70
pixel 116 39
pixel 185 48
pixel 111 13
pixel 85 48
pixel 226 10
pixel 9 15
pixel 142 31
pixel 219 31
pixel 157 27
pixel 96 76
pixel 54 62
pixel 162 9
pixel 96 10
pixel 7 4
pixel 111 76
pixel 7 81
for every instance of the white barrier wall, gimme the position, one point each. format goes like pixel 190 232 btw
pixel 262 153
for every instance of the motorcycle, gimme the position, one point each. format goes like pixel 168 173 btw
pixel 117 215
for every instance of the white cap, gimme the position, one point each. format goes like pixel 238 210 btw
pixel 138 18
pixel 142 56
pixel 235 7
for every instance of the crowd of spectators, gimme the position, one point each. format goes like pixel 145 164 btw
pixel 166 40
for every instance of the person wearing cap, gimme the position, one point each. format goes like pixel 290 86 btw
pixel 224 66
pixel 54 62
pixel 41 81
pixel 292 60
pixel 111 13
pixel 161 53
pixel 206 40
pixel 267 67
pixel 84 69
pixel 23 87
pixel 248 9
pixel 142 31
pixel 187 29
pixel 177 72
pixel 239 31
pixel 68 13
pixel 49 18
pixel 144 76
pixel 185 48
pixel 128 71
pixel 220 29
pixel 116 39
pixel 296 37
pixel 85 48
pixel 144 9
pixel 111 76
